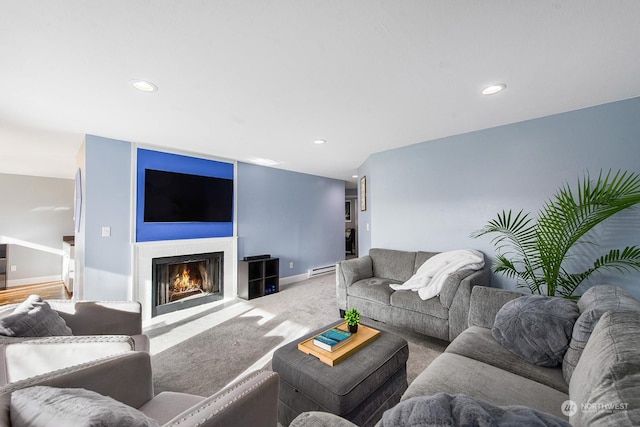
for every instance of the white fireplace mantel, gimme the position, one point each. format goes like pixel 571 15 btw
pixel 144 252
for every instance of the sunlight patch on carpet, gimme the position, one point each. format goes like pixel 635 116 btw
pixel 182 332
pixel 264 316
pixel 289 331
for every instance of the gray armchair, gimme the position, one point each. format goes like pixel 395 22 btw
pixel 99 329
pixel 127 378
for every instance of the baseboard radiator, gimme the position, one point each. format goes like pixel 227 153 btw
pixel 322 270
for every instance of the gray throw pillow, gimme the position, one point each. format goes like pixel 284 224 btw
pixel 461 410
pixel 42 406
pixel 536 328
pixel 33 318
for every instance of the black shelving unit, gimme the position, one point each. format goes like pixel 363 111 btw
pixel 259 277
pixel 3 266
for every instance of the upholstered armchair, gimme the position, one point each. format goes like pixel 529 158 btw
pixel 90 330
pixel 127 379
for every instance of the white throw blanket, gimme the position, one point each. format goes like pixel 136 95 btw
pixel 431 275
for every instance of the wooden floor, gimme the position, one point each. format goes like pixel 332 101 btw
pixel 49 290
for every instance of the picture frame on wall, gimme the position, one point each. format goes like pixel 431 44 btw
pixel 347 211
pixel 363 193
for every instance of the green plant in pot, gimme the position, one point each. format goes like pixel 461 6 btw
pixel 352 317
pixel 548 255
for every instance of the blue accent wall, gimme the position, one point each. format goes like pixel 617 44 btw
pixel 296 217
pixel 432 195
pixel 151 231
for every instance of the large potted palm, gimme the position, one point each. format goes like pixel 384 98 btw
pixel 536 253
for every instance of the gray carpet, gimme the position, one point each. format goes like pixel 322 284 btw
pixel 202 352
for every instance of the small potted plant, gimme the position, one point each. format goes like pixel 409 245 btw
pixel 352 317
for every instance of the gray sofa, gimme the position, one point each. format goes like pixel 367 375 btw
pixel 598 383
pixel 364 283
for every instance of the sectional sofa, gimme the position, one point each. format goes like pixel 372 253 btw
pixel 596 384
pixel 364 283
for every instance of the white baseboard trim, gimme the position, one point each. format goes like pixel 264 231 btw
pixel 293 279
pixel 33 280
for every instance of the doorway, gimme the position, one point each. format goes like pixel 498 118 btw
pixel 351 223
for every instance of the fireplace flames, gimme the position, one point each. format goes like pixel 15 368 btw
pixel 187 279
pixel 185 283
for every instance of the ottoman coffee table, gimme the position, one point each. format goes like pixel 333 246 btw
pixel 359 388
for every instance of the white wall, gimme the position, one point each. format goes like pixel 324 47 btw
pixel 36 212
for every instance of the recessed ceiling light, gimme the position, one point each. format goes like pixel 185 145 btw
pixel 354 176
pixel 490 90
pixel 144 85
pixel 320 141
pixel 263 162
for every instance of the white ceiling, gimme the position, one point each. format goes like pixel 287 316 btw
pixel 241 79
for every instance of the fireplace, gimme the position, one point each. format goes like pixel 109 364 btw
pixel 185 281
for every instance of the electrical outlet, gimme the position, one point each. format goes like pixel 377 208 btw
pixel 106 231
pixel 14 268
pixel 291 264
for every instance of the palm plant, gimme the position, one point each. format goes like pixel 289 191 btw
pixel 535 253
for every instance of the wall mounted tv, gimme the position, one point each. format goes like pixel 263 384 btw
pixel 182 197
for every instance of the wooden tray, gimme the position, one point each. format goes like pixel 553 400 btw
pixel 364 336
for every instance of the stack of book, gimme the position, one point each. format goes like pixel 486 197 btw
pixel 332 339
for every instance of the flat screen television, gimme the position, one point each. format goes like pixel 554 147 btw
pixel 181 197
